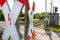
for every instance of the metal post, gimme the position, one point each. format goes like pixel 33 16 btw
pixel 53 9
pixel 26 22
pixel 45 6
pixel 51 6
pixel 46 16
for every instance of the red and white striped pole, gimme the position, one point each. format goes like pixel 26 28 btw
pixel 31 31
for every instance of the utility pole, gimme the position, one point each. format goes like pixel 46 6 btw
pixel 51 6
pixel 46 16
pixel 53 9
pixel 45 6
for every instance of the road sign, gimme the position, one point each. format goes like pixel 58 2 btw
pixel 10 18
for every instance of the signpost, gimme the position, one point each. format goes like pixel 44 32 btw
pixel 27 21
pixel 46 16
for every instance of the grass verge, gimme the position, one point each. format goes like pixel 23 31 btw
pixel 52 28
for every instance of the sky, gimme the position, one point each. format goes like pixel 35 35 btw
pixel 39 5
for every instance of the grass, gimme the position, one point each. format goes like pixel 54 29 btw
pixel 21 22
pixel 35 20
pixel 52 28
pixel 55 29
pixel 41 26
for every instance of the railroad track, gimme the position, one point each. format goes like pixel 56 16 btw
pixel 38 23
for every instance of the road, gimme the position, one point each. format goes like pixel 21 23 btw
pixel 42 34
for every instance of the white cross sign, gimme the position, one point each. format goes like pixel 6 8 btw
pixel 10 18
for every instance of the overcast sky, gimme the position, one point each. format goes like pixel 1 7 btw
pixel 40 4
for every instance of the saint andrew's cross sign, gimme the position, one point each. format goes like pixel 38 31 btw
pixel 10 18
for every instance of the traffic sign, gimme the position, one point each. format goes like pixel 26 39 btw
pixel 10 18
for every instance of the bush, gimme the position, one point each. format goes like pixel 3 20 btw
pixel 39 15
pixel 54 29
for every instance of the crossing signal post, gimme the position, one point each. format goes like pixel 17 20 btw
pixel 46 16
pixel 56 9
